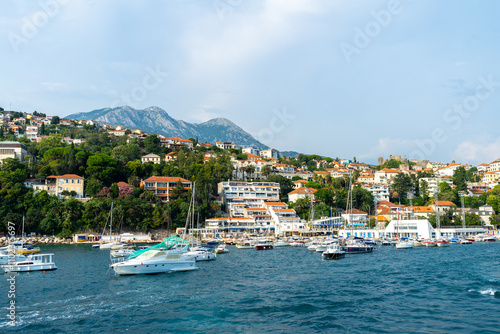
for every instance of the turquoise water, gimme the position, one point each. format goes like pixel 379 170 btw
pixel 285 290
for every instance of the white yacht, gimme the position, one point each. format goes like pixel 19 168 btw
pixel 154 262
pixel 34 262
pixel 200 254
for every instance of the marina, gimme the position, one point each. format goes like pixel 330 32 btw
pixel 288 289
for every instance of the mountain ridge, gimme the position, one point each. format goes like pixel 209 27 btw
pixel 156 120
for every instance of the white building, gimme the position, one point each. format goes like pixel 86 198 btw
pixel 151 158
pixel 302 192
pixel 12 149
pixel 494 166
pixel 224 145
pixel 379 191
pixel 433 183
pixel 251 150
pixel 270 153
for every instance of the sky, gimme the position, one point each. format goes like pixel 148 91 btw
pixel 346 79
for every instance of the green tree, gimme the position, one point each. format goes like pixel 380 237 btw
pixel 459 179
pixel 55 120
pixel 401 185
pixel 424 190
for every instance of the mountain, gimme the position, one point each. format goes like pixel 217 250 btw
pixel 292 154
pixel 156 120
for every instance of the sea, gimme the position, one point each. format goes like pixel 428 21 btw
pixel 452 289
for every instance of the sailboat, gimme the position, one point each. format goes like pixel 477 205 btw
pixel 401 244
pixel 196 252
pixel 20 247
pixel 110 244
pixel 354 245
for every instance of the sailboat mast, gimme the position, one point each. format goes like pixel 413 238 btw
pixel 111 222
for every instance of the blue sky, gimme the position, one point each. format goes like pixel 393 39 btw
pixel 337 78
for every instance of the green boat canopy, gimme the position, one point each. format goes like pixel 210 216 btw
pixel 167 243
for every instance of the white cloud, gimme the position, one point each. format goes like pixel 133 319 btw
pixel 478 152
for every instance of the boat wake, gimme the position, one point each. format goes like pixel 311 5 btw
pixel 491 292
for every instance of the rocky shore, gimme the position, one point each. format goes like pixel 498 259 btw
pixel 41 241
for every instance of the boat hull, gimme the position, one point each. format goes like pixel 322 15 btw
pixel 136 268
pixel 27 268
pixel 333 256
pixel 357 249
pixel 263 247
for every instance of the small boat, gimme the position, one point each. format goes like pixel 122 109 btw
pixel 246 244
pixel 429 243
pixel 404 244
pixel 22 247
pixel 442 243
pixel 221 249
pixel 263 245
pixel 465 242
pixel 200 254
pixel 386 242
pixel 489 238
pixel 34 262
pixel 154 262
pixel 122 252
pixel 213 242
pixel 333 252
pixel 417 243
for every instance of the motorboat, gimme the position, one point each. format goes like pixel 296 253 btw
pixel 442 243
pixel 246 244
pixel 386 242
pixel 154 262
pixel 21 247
pixel 465 242
pixel 489 238
pixel 430 243
pixel 313 246
pixel 200 254
pixel 122 252
pixel 110 245
pixel 404 244
pixel 333 252
pixel 34 262
pixel 355 247
pixel 221 249
pixel 263 245
pixel 417 243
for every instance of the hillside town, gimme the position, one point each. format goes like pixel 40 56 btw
pixel 264 192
